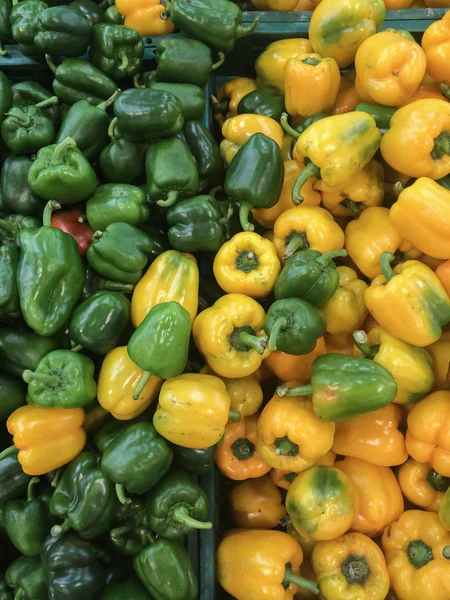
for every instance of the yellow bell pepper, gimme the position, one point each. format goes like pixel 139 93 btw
pixel 443 273
pixel 421 485
pixel 389 68
pixel 338 30
pixel 345 311
pixel 172 277
pixel 147 17
pixel 416 548
pixel 192 410
pixel 397 4
pixel 226 101
pixel 240 129
pixel 270 64
pixel 275 5
pixel 247 264
pixel 307 544
pixel 304 227
pixel 305 73
pixel 379 494
pixel 47 438
pixel 322 503
pixel 267 216
pixel 289 436
pixel 411 367
pixel 119 377
pixel 418 141
pixel 347 97
pixel 225 335
pixel 364 190
pixel 444 511
pixel 351 566
pixel 435 42
pixel 288 367
pixel 367 237
pixel 257 504
pixel 409 302
pixel 284 479
pixel 440 353
pixel 378 429
pixel 428 434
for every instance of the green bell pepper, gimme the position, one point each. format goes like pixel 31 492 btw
pixel 5 26
pixel 16 192
pixel 26 129
pixel 125 590
pixel 131 534
pixel 12 225
pixel 84 498
pixel 6 95
pixel 309 275
pixel 136 459
pixel 109 430
pixel 146 79
pixel 112 15
pixel 27 522
pixel 72 569
pixel 25 25
pixel 99 321
pixel 144 115
pixel 12 395
pixel 206 153
pixel 27 578
pixel 198 224
pixel 191 96
pixel 76 79
pixel 114 203
pixel 13 481
pixel 217 23
pixel 195 460
pixel 264 101
pixel 94 283
pixel 160 345
pixel 63 378
pixel 254 178
pixel 5 592
pixel 177 506
pixel 30 93
pixel 61 173
pixel 185 61
pixel 90 11
pixel 166 571
pixel 381 114
pixel 171 171
pixel 20 350
pixel 62 31
pixel 120 252
pixel 122 161
pixel 116 50
pixel 9 294
pixel 343 387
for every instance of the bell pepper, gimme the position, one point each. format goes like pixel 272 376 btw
pixel 285 432
pixel 72 222
pixel 6 95
pixel 284 479
pixel 351 23
pixel 94 283
pixel 245 394
pixel 147 18
pixel 270 64
pixel 381 114
pixel 116 50
pixel 26 577
pixel 415 546
pixel 227 335
pixel 347 97
pixel 340 343
pixel 195 460
pixel 379 429
pixel 442 271
pixel 117 202
pixel 77 79
pixel 27 522
pixel 166 571
pixel 26 129
pixel 206 153
pixel 256 504
pixel 440 354
pixel 191 97
pixel 350 565
pixel 171 171
pixel 422 485
pixel 62 30
pixel 444 511
pixel 171 277
pixel 72 569
pixel 5 592
pixel 13 394
pixel 47 438
pixel 20 350
pixel 344 387
pixel 184 60
pixel 90 10
pixel 434 43
pixel 306 72
pixel 366 189
pixel 14 481
pixel 322 503
pixel 47 298
pixel 338 148
pixel 9 294
pixel 25 25
pixel 130 534
pixel 239 129
pixel 16 193
pixel 411 367
pixel 226 101
pixel 12 225
pixel 144 115
pixel 414 291
pixel 266 102
pixel 131 588
pixel 288 367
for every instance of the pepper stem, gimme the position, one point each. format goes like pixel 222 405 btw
pixel 247 339
pixel 137 83
pixel 247 261
pixel 120 493
pixel 29 376
pixel 441 146
pixel 218 63
pixel 17 113
pixel 20 595
pixel 360 339
pixel 385 261
pixel 58 152
pixel 77 348
pixel 438 482
pixel 299 241
pixel 33 481
pixel 288 129
pixel 278 326
pixel 181 514
pixel 311 61
pixel 112 128
pixel 290 577
pixel 48 211
pixel 119 531
pixel 115 286
pixel 419 553
pixel 57 477
pixel 172 197
pixel 7 226
pixel 7 452
pixel 50 62
pixel 302 390
pixel 243 31
pixel 60 530
pixel 104 105
pixel 445 89
pixel 141 385
pixel 48 102
pixel 242 449
pixel 329 256
pixel 244 211
pixel 355 569
pixel 284 447
pixel 234 415
pixel 124 60
pixel 397 188
pixel 446 552
pixel 353 207
pixel 311 170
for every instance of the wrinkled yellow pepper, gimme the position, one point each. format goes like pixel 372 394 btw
pixel 345 311
pixel 421 485
pixel 270 64
pixel 435 42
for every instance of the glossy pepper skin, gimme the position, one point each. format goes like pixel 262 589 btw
pixel 147 18
pixel 122 161
pixel 26 577
pixel 226 101
pixel 351 564
pixel 239 129
pixel 117 202
pixel 25 25
pixel 345 387
pixel 130 589
pixel 353 22
pixel 116 50
pixel 266 101
pixel 195 460
pixel 191 97
pixel 257 504
pixel 12 225
pixel 440 354
pixel 9 294
pixel 392 294
pixel 72 222
pixel 17 195
pixel 47 438
pixel 20 350
pixel 130 534
pixel 206 153
pixel 12 477
pixel 422 485
pixel 415 547
pixel 270 64
pixel 434 43
pixel 62 30
pixel 285 432
pixel 90 10
pixel 26 129
pixel 12 393
pixel 197 420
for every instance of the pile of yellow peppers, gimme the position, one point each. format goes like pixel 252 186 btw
pixel 361 510
pixel 310 5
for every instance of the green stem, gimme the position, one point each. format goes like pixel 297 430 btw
pixel 172 197
pixel 142 383
pixel 247 261
pixel 115 286
pixel 48 102
pixel 58 152
pixel 234 415
pixel 7 452
pixel 285 447
pixel 244 211
pixel 229 214
pixel 50 62
pixel 181 514
pixel 385 261
pixel 104 105
pixel 97 234
pixel 279 324
pixel 445 89
pixel 419 553
pixel 297 242
pixel 119 531
pixel 120 493
pixel 242 449
pixel 446 552
pixel 137 83
pixel 441 146
pixel 290 577
pixel 243 31
pixel 112 129
pixel 7 226
pixel 438 482
pixel 77 348
pixel 311 61
pixel 20 595
pixel 353 207
pixel 329 256
pixel 29 376
pixel 16 113
pixel 397 188
pixel 33 481
pixel 360 339
pixel 308 172
pixel 124 60
pixel 220 107
pixel 288 129
pixel 218 63
pixel 57 477
pixel 60 530
pixel 257 343
pixel 355 569
pixel 48 211
pixel 302 390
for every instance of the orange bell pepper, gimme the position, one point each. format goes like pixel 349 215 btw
pixel 288 367
pixel 347 97
pixel 440 353
pixel 436 43
pixel 443 273
pixel 421 485
pixel 257 504
pixel 426 90
pixel 147 17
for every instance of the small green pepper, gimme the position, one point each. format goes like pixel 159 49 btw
pixel 206 153
pixel 9 294
pixel 26 129
pixel 27 578
pixel 25 25
pixel 112 15
pixel 62 31
pixel 16 192
pixel 12 395
pixel 114 203
pixel 264 101
pixel 116 50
